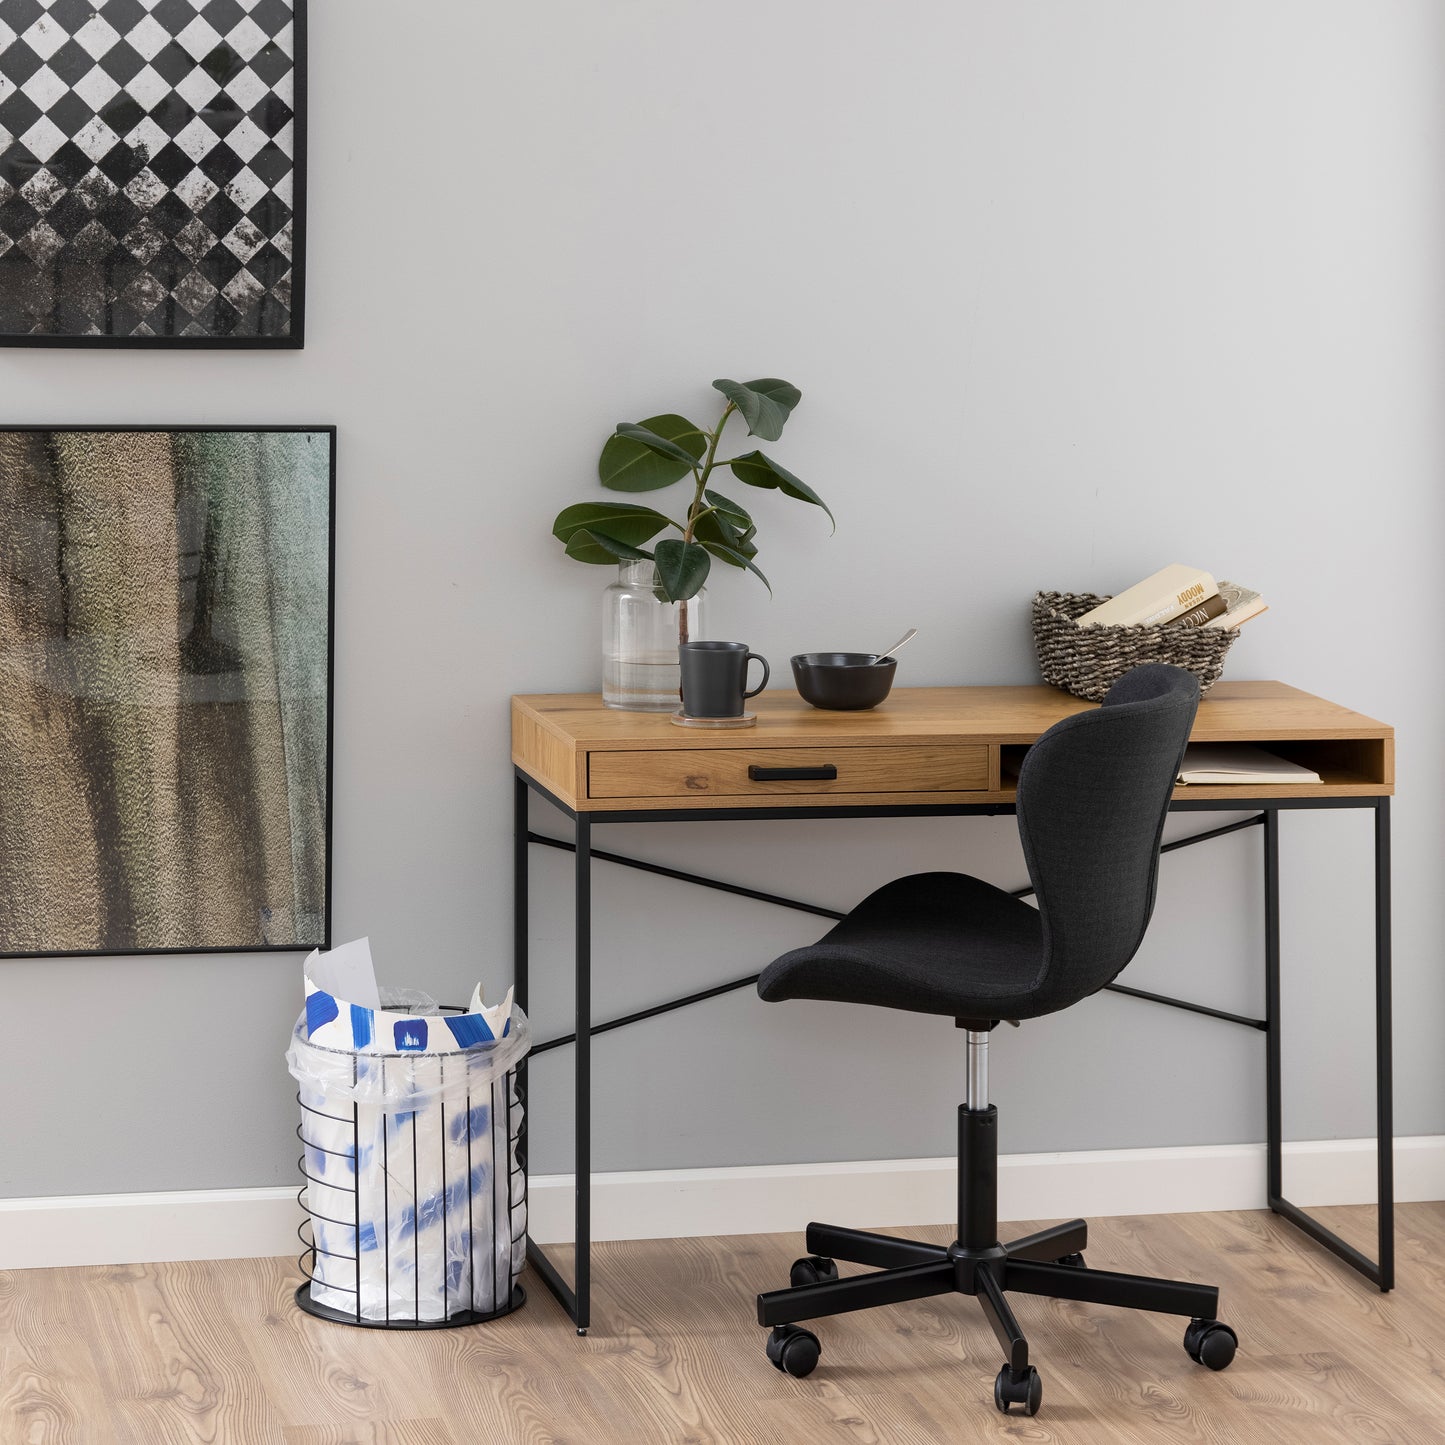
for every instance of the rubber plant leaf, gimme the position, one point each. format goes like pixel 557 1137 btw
pixel 737 559
pixel 756 470
pixel 619 520
pixel 765 404
pixel 654 453
pixel 588 545
pixel 714 527
pixel 735 514
pixel 682 568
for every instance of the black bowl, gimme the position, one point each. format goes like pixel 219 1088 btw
pixel 843 681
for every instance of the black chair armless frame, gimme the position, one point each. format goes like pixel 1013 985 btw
pixel 1093 794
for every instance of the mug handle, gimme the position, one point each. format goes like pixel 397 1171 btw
pixel 767 673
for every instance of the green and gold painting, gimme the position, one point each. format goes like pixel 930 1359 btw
pixel 165 688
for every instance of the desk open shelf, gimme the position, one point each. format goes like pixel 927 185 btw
pixel 1348 768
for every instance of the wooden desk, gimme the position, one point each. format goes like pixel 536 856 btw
pixel 924 745
pixel 924 752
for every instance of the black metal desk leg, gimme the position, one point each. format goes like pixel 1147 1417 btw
pixel 574 1302
pixel 1384 1049
pixel 521 824
pixel 583 1082
pixel 520 828
pixel 1273 1105
pixel 1381 1271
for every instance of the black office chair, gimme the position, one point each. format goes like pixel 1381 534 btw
pixel 1093 793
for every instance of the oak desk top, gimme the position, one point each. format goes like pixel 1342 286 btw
pixel 923 745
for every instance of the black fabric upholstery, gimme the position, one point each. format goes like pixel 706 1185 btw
pixel 915 943
pixel 1093 794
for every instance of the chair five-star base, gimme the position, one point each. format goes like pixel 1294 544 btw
pixel 1048 1263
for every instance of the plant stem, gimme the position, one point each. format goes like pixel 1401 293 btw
pixel 696 509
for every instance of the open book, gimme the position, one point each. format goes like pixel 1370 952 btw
pixel 1239 763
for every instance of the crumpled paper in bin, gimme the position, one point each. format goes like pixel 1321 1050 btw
pixel 344 1010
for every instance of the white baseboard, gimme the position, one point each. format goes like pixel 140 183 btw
pixel 745 1199
pixel 78 1229
pixel 768 1199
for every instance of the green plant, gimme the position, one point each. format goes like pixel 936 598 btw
pixel 662 450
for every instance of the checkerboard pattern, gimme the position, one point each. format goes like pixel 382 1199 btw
pixel 147 166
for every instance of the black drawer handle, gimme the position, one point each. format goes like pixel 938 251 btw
pixel 827 773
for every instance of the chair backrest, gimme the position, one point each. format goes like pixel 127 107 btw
pixel 1093 794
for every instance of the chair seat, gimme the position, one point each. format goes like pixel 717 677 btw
pixel 936 943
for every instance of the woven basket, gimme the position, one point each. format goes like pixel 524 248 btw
pixel 1087 661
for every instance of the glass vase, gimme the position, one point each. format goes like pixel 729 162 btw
pixel 640 633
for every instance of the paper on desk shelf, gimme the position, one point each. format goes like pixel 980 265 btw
pixel 1239 764
pixel 344 1011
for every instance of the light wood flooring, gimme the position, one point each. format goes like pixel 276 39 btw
pixel 217 1352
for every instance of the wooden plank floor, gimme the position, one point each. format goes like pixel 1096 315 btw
pixel 217 1352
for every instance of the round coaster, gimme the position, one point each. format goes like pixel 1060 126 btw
pixel 681 719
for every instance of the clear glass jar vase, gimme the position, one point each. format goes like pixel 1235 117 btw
pixel 640 633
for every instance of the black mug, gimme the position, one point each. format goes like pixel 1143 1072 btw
pixel 715 678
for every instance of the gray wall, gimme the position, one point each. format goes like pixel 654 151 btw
pixel 1071 291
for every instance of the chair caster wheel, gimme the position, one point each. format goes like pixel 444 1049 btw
pixel 1024 1389
pixel 812 1269
pixel 795 1351
pixel 1211 1343
pixel 1074 1261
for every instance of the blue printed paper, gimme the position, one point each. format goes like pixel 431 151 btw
pixel 337 1019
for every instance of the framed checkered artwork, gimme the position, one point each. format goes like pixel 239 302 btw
pixel 152 172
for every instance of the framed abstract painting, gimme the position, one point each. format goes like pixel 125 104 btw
pixel 166 612
pixel 152 173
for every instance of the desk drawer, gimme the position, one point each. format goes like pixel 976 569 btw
pixel 759 772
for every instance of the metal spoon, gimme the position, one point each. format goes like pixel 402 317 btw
pixel 907 637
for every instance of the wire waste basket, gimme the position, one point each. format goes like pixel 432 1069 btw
pixel 416 1190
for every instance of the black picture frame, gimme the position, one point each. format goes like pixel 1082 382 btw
pixel 294 339
pixel 324 938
